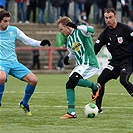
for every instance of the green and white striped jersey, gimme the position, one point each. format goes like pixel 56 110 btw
pixel 80 46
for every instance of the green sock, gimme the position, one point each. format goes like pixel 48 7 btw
pixel 70 95
pixel 87 83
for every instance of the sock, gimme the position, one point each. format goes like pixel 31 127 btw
pixel 70 95
pixel 1 92
pixel 87 83
pixel 28 93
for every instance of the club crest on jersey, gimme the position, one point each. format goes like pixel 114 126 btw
pixel 120 40
pixel 76 46
pixel 11 34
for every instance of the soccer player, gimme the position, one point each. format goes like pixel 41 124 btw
pixel 81 48
pixel 118 39
pixel 8 58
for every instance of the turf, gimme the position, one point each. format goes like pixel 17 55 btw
pixel 49 103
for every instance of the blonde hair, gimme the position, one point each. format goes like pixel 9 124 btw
pixel 64 20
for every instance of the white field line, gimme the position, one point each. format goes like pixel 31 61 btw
pixel 41 106
pixel 61 92
pixel 35 92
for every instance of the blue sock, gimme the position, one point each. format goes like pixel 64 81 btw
pixel 1 91
pixel 28 93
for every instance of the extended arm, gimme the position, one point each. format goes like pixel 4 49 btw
pixel 30 41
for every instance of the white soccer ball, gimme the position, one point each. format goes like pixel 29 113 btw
pixel 91 110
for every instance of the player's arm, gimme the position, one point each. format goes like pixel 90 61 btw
pixel 70 56
pixel 86 30
pixel 99 43
pixel 128 32
pixel 30 41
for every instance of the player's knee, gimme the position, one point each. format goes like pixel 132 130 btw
pixel 33 81
pixel 73 80
pixel 30 79
pixel 2 78
pixel 2 81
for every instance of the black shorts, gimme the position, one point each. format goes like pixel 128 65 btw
pixel 113 69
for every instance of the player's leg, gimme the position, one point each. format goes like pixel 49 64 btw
pixel 107 74
pixel 32 80
pixel 1 93
pixel 2 81
pixel 70 95
pixel 89 84
pixel 23 73
pixel 125 74
pixel 29 90
pixel 87 73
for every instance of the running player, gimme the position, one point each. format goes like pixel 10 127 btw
pixel 8 58
pixel 81 48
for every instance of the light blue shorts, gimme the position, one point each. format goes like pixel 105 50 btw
pixel 15 69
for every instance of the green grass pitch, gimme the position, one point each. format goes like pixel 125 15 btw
pixel 48 103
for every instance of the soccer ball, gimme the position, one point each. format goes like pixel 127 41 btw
pixel 91 110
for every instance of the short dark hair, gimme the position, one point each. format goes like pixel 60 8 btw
pixel 108 10
pixel 4 13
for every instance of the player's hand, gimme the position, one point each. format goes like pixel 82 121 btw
pixel 45 42
pixel 66 60
pixel 70 24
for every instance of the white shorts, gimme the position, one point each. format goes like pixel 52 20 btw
pixel 85 71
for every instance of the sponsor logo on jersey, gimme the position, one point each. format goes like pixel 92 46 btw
pixel 120 40
pixel 76 46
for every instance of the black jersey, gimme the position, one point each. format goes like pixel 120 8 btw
pixel 118 42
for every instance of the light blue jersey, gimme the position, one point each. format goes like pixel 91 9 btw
pixel 8 44
pixel 8 58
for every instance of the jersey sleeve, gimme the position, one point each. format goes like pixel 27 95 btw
pixel 27 40
pixel 99 43
pixel 129 32
pixel 86 30
pixel 71 54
